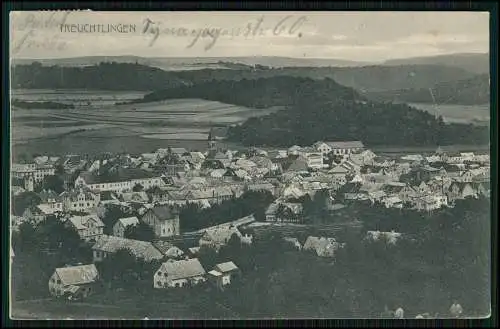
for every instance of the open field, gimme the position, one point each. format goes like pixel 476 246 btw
pixel 477 114
pixel 127 305
pixel 76 97
pixel 102 126
pixel 428 150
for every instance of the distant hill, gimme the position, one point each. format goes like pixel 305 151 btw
pixel 322 110
pixel 103 76
pixel 373 78
pixel 166 64
pixel 278 62
pixel 365 78
pixel 259 93
pixel 475 90
pixel 370 80
pixel 186 63
pixel 472 62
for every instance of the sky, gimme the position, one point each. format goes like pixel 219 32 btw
pixel 357 36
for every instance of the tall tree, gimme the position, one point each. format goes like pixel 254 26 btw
pixel 53 183
pixel 141 231
pixel 54 235
pixel 111 215
pixel 23 201
pixel 120 267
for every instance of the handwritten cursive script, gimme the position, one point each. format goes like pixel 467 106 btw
pixel 26 31
pixel 288 25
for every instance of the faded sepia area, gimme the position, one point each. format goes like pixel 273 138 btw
pixel 257 165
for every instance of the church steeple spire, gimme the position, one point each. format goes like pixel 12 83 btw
pixel 211 140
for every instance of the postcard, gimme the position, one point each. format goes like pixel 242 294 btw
pixel 249 165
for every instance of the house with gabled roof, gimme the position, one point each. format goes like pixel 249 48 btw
pixel 74 281
pixel 16 190
pixel 376 196
pixel 122 224
pixel 408 193
pixel 89 227
pixel 286 212
pixel 338 171
pixel 294 150
pixel 34 215
pixel 322 147
pixel 218 236
pixel 134 197
pixel 51 201
pixel 108 244
pixel 178 151
pixel 80 199
pixel 181 273
pixel 223 274
pixel 314 158
pixel 271 212
pixel 122 179
pixel 391 237
pixel 157 194
pixel 363 158
pixel 293 242
pixel 430 202
pixel 322 246
pixel 461 190
pixel 392 202
pixel 296 163
pixel 164 219
pixel 292 191
pixel 169 250
pixel 393 188
pixel 345 147
pixel 353 191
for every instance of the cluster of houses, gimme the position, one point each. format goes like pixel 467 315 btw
pixel 352 174
pixel 153 187
pixel 178 268
pixel 176 176
pixel 80 281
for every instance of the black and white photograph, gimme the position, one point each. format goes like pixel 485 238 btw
pixel 175 165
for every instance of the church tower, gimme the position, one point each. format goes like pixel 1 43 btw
pixel 211 140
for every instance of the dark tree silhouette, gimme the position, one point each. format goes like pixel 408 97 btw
pixel 193 217
pixel 23 201
pixel 138 188
pixel 141 231
pixel 111 215
pixel 120 268
pixel 53 183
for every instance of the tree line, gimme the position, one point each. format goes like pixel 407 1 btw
pixel 475 90
pixel 193 217
pixel 323 110
pixel 447 256
pixel 374 124
pixel 40 105
pixel 366 78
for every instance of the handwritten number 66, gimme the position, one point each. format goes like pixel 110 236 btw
pixel 282 26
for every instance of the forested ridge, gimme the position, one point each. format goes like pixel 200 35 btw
pixel 104 76
pixel 313 109
pixel 134 76
pixel 475 90
pixel 323 110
